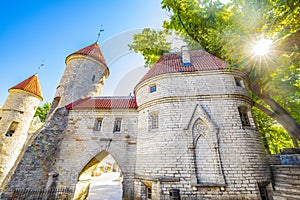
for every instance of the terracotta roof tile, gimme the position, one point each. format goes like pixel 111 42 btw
pixel 171 63
pixel 93 51
pixel 104 103
pixel 31 85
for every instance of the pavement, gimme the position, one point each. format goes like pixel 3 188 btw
pixel 106 187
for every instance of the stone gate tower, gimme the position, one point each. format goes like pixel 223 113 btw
pixel 196 133
pixel 15 118
pixel 84 75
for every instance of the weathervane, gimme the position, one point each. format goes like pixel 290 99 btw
pixel 101 30
pixel 40 66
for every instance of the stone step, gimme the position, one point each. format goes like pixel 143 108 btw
pixel 286 168
pixel 289 190
pixel 287 185
pixel 286 177
pixel 278 195
pixel 293 182
pixel 292 171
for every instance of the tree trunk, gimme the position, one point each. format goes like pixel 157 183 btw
pixel 281 116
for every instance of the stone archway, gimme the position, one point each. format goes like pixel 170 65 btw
pixel 78 156
pixel 83 185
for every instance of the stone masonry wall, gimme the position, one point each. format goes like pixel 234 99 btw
pixel 82 77
pixel 82 143
pixel 286 182
pixel 20 108
pixel 166 156
pixel 38 160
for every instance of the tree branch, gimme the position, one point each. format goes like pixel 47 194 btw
pixel 183 25
pixel 281 116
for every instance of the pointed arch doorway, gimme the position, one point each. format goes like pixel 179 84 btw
pixel 101 178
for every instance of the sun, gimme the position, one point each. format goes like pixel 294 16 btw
pixel 262 47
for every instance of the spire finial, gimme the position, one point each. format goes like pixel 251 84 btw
pixel 40 66
pixel 101 30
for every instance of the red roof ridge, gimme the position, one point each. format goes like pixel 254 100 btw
pixel 30 85
pixel 114 97
pixel 104 102
pixel 78 101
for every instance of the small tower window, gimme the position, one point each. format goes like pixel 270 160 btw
pixel 93 78
pixel 98 124
pixel 117 126
pixel 152 88
pixel 12 129
pixel 149 192
pixel 154 120
pixel 244 116
pixel 239 82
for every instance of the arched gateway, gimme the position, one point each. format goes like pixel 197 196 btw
pixel 102 165
pixel 92 134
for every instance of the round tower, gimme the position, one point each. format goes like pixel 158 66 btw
pixel 15 119
pixel 196 135
pixel 84 75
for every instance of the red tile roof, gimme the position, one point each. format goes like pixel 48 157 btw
pixel 31 85
pixel 92 51
pixel 125 102
pixel 171 63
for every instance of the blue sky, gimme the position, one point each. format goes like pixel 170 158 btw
pixel 40 31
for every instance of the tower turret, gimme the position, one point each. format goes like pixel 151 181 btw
pixel 15 118
pixel 84 75
pixel 196 132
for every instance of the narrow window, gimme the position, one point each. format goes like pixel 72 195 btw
pixel 152 88
pixel 117 126
pixel 98 124
pixel 244 116
pixel 93 78
pixel 12 129
pixel 239 82
pixel 149 192
pixel 0 118
pixel 154 120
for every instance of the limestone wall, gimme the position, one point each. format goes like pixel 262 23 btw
pixel 166 156
pixel 39 158
pixel 82 143
pixel 286 181
pixel 83 76
pixel 19 108
pixel 191 84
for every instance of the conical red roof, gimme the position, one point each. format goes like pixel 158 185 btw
pixel 30 85
pixel 92 51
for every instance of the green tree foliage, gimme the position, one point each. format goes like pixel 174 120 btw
pixel 230 32
pixel 151 44
pixel 42 111
pixel 274 137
